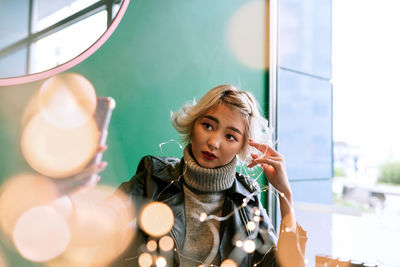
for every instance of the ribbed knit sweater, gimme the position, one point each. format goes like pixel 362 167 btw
pixel 204 193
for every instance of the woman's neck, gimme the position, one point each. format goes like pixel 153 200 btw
pixel 208 180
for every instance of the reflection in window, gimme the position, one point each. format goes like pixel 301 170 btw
pixel 49 32
pixel 49 12
pixel 61 46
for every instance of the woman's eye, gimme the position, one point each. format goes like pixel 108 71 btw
pixel 207 126
pixel 231 137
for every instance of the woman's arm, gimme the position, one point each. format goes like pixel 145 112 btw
pixel 274 168
pixel 292 238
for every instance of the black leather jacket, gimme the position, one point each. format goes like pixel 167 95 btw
pixel 160 179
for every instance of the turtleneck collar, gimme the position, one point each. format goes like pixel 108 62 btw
pixel 205 179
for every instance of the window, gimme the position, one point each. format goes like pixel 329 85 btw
pixel 50 32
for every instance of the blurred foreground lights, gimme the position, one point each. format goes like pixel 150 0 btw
pixel 41 234
pixel 21 193
pixel 203 216
pixel 247 34
pixel 249 246
pixel 161 261
pixel 156 219
pixel 101 226
pixel 239 243
pixel 58 152
pixel 251 226
pixel 228 263
pixel 151 245
pixel 145 260
pixel 67 100
pixel 3 262
pixel 166 243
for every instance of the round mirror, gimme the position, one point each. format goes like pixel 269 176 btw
pixel 41 38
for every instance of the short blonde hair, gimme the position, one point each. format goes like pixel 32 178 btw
pixel 256 126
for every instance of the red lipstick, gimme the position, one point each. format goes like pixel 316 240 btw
pixel 208 155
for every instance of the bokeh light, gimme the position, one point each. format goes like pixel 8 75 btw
pixel 251 226
pixel 151 245
pixel 41 234
pixel 203 216
pixel 239 243
pixel 101 226
pixel 228 263
pixel 3 262
pixel 156 219
pixel 166 243
pixel 58 152
pixel 145 260
pixel 161 261
pixel 67 100
pixel 249 246
pixel 21 193
pixel 247 34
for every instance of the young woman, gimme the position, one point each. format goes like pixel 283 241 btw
pixel 221 129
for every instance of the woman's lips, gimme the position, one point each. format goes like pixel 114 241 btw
pixel 208 155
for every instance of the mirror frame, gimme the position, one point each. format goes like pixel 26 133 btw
pixel 72 62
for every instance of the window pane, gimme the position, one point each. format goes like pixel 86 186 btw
pixel 66 44
pixel 10 13
pixel 366 132
pixel 13 64
pixel 49 12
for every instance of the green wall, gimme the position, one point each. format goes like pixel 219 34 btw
pixel 163 54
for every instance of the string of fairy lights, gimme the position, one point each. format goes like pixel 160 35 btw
pixel 245 242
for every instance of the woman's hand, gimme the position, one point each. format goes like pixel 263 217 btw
pixel 87 178
pixel 274 168
pixel 273 165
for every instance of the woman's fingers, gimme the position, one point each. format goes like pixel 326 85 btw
pixel 276 163
pixel 265 149
pixel 261 147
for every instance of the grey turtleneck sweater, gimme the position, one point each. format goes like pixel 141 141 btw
pixel 204 193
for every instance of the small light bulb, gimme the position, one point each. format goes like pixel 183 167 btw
pixel 151 245
pixel 203 216
pixel 287 229
pixel 239 243
pixel 145 260
pixel 257 212
pixel 256 218
pixel 251 226
pixel 161 262
pixel 282 194
pixel 249 246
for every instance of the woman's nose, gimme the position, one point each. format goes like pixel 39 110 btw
pixel 214 141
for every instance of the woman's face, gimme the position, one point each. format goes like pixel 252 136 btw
pixel 218 136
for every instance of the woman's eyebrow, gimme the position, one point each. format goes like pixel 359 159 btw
pixel 235 129
pixel 229 127
pixel 211 118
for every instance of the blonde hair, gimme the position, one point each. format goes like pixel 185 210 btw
pixel 255 124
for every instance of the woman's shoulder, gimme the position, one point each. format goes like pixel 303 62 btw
pixel 152 170
pixel 155 164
